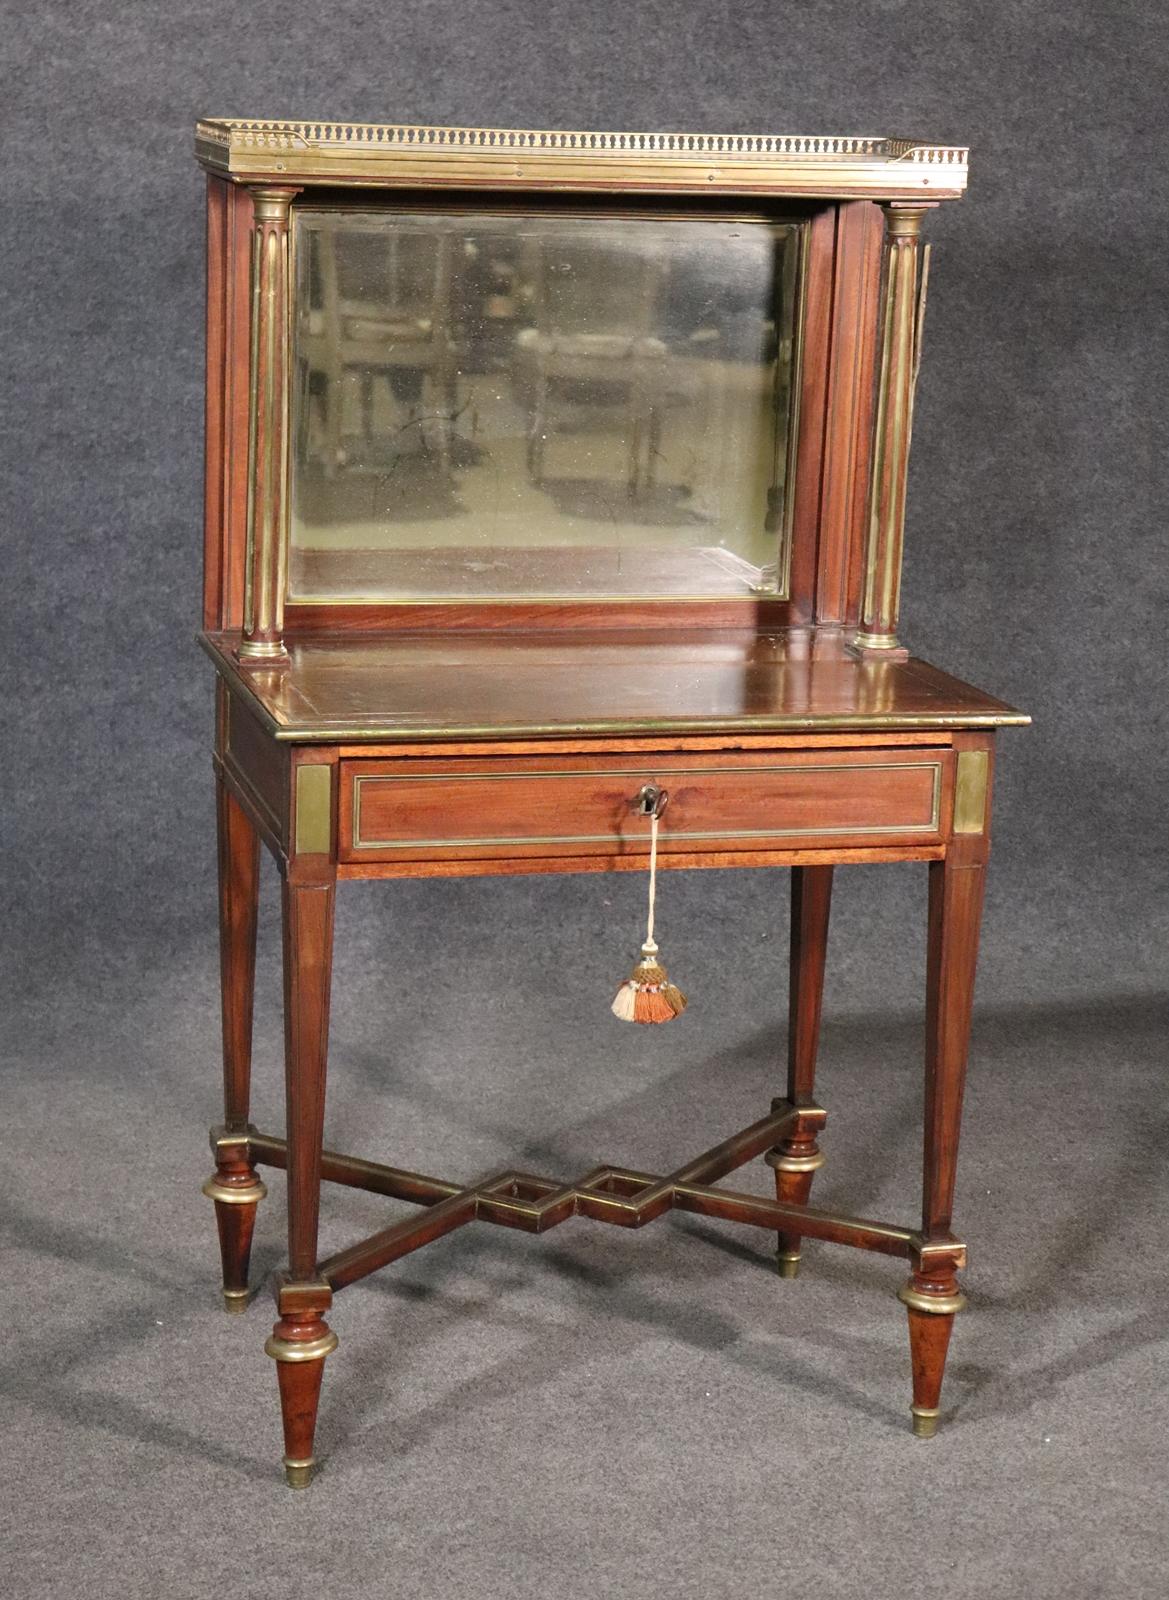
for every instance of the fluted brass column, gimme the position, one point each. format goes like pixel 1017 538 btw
pixel 267 430
pixel 901 321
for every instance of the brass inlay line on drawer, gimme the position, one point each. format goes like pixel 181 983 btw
pixel 934 767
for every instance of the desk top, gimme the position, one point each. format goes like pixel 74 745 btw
pixel 468 686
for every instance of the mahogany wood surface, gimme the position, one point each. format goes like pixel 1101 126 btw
pixel 525 806
pixel 239 876
pixel 308 961
pixel 811 901
pixel 849 412
pixel 512 737
pixel 457 685
pixel 229 223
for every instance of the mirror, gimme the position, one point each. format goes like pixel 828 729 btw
pixel 540 406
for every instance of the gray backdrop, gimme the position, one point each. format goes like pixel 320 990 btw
pixel 505 1416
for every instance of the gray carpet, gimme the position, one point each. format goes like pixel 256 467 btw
pixel 594 1411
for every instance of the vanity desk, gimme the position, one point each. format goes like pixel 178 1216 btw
pixel 552 477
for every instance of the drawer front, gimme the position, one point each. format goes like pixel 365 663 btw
pixel 507 809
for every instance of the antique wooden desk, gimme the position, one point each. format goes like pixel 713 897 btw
pixel 543 467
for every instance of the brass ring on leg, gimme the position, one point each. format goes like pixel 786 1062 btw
pixel 301 1349
pixel 249 1194
pixel 941 1305
pixel 785 1163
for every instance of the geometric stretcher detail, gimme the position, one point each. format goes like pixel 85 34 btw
pixel 616 1195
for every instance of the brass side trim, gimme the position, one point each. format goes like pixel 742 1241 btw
pixel 358 843
pixel 314 810
pixel 970 785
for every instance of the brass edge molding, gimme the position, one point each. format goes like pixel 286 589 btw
pixel 301 1349
pixel 313 831
pixel 932 826
pixel 325 151
pixel 378 732
pixel 971 782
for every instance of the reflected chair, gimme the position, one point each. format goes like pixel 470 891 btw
pixel 384 310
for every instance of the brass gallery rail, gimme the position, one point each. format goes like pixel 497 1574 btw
pixel 608 1194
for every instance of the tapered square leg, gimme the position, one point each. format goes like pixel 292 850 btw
pixel 932 1296
pixel 301 1338
pixel 797 1157
pixel 298 1344
pixel 932 1300
pixel 234 1186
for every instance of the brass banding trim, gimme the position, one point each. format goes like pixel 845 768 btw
pixel 777 832
pixel 301 1349
pixel 937 1304
pixel 235 1194
pixel 341 732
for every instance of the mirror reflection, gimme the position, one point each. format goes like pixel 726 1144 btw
pixel 553 406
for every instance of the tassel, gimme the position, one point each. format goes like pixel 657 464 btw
pixel 647 995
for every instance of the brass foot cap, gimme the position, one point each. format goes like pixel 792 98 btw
pixel 299 1474
pixel 925 1421
pixel 789 1266
pixel 236 1301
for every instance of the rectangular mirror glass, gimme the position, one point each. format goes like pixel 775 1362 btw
pixel 540 406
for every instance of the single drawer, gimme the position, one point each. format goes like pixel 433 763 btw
pixel 521 807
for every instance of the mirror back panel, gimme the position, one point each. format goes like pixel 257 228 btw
pixel 542 405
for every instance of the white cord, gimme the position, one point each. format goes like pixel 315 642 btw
pixel 653 876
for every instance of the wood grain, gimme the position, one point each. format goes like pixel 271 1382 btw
pixel 524 806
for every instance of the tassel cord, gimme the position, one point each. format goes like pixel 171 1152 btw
pixel 653 877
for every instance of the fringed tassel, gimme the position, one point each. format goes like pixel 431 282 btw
pixel 647 995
